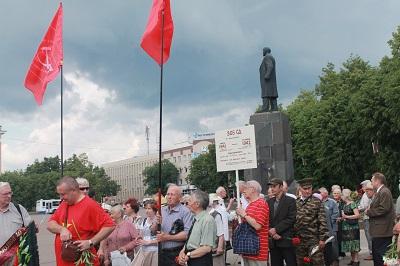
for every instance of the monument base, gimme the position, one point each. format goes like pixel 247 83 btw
pixel 274 148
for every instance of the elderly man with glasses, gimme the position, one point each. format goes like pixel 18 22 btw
pixel 202 236
pixel 175 221
pixel 363 205
pixel 12 218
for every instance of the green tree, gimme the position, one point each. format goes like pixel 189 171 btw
pixel 51 164
pixel 204 175
pixel 100 184
pixel 39 180
pixel 334 124
pixel 329 142
pixel 169 174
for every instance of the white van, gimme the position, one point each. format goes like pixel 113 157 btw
pixel 47 206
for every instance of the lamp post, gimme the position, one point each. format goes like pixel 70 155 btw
pixel 1 134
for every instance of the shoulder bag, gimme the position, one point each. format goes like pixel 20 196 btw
pixel 245 240
pixel 69 251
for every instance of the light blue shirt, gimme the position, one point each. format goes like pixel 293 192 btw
pixel 169 216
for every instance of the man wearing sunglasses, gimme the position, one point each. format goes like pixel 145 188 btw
pixel 83 185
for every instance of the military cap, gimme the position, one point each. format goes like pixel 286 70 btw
pixel 275 181
pixel 305 182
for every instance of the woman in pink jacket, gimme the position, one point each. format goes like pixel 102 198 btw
pixel 123 238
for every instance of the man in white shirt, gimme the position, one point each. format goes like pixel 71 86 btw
pixel 362 207
pixel 218 252
pixel 243 201
pixel 221 193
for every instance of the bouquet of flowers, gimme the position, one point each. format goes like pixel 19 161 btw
pixel 391 257
pixel 85 259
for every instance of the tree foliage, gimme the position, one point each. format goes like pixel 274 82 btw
pixel 204 175
pixel 38 181
pixel 169 174
pixel 335 124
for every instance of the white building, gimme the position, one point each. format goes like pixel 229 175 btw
pixel 128 173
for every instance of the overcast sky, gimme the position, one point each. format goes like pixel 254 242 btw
pixel 211 81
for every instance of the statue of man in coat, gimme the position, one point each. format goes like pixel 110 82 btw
pixel 269 91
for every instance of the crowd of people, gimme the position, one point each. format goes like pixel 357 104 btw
pixel 313 227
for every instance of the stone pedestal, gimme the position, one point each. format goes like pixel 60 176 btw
pixel 274 148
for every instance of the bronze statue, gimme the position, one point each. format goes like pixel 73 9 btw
pixel 269 91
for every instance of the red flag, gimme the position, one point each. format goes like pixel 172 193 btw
pixel 47 60
pixel 151 40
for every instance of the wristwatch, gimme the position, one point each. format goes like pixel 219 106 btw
pixel 188 254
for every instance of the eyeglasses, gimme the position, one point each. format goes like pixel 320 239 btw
pixel 84 188
pixel 6 194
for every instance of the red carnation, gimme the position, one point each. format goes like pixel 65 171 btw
pixel 296 241
pixel 307 260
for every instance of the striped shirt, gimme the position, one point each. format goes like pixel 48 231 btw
pixel 259 211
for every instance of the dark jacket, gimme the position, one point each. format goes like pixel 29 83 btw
pixel 381 214
pixel 283 221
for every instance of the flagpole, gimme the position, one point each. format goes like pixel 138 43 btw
pixel 160 143
pixel 62 118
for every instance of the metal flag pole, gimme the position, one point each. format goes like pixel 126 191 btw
pixel 160 133
pixel 62 118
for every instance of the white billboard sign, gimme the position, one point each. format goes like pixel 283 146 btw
pixel 236 149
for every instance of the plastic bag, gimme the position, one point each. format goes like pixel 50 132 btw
pixel 118 259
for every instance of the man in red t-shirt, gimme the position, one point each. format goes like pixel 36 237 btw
pixel 78 218
pixel 257 215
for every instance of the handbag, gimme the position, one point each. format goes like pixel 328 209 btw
pixel 119 259
pixel 245 240
pixel 69 251
pixel 177 227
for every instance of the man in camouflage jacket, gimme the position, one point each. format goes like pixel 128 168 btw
pixel 310 225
